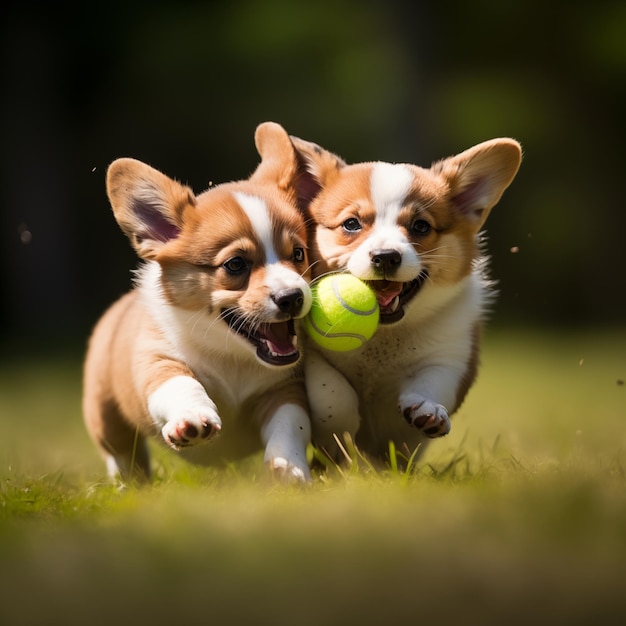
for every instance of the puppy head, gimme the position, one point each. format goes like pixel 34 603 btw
pixel 396 225
pixel 234 255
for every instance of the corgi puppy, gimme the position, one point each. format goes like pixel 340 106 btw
pixel 413 235
pixel 205 344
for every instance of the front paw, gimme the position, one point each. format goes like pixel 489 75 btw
pixel 432 419
pixel 288 473
pixel 190 431
pixel 186 414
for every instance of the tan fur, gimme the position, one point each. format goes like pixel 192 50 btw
pixel 121 370
pixel 171 325
pixel 421 363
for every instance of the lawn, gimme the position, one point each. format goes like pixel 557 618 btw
pixel 518 516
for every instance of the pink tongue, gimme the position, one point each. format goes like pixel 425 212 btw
pixel 278 336
pixel 386 291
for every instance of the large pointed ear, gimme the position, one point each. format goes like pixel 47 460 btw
pixel 147 204
pixel 318 168
pixel 291 163
pixel 479 176
pixel 279 163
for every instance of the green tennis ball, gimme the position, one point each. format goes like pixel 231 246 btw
pixel 344 313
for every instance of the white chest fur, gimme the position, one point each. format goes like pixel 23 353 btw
pixel 426 353
pixel 228 371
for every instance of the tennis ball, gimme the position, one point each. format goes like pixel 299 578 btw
pixel 344 313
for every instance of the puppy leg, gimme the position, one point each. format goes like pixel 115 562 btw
pixel 182 409
pixel 431 418
pixel 286 435
pixel 133 466
pixel 333 402
pixel 424 398
pixel 123 447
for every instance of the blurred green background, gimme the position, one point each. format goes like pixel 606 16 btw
pixel 182 86
pixel 526 523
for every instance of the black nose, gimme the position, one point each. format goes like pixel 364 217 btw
pixel 289 301
pixel 386 260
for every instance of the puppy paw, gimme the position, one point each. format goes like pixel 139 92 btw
pixel 190 431
pixel 186 414
pixel 289 473
pixel 432 419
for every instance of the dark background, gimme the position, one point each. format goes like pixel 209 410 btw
pixel 182 86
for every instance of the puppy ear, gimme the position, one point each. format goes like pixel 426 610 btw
pixel 147 205
pixel 278 158
pixel 291 163
pixel 281 165
pixel 479 176
pixel 317 168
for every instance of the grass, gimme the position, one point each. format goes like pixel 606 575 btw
pixel 518 515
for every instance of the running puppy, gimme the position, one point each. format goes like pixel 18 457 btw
pixel 205 345
pixel 413 235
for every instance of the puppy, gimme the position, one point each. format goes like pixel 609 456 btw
pixel 205 344
pixel 413 235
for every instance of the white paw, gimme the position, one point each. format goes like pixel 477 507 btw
pixel 431 418
pixel 186 414
pixel 287 472
pixel 190 431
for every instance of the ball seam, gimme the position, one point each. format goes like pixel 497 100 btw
pixel 328 335
pixel 347 306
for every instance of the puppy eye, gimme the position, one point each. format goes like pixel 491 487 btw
pixel 237 265
pixel 352 225
pixel 298 255
pixel 421 227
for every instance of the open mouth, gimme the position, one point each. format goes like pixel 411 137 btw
pixel 393 296
pixel 276 343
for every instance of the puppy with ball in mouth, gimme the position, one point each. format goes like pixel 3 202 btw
pixel 413 235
